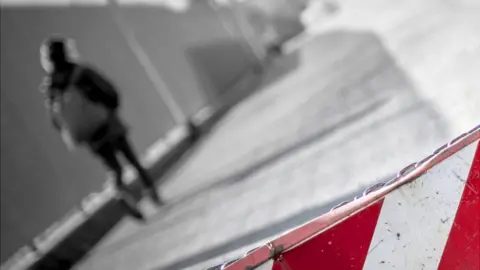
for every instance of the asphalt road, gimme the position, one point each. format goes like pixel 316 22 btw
pixel 378 86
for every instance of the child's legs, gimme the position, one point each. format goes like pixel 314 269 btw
pixel 124 146
pixel 108 155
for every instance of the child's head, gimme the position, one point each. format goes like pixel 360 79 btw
pixel 56 51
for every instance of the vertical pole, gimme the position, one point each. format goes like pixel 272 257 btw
pixel 179 117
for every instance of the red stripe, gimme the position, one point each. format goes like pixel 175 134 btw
pixel 280 266
pixel 344 246
pixel 462 250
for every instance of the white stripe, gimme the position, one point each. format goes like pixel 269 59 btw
pixel 416 219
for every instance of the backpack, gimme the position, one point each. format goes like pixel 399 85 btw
pixel 76 114
pixel 102 87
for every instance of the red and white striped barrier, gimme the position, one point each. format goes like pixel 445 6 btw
pixel 426 218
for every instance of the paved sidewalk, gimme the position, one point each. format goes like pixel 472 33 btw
pixel 360 100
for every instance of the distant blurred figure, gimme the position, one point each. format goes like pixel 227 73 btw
pixel 83 106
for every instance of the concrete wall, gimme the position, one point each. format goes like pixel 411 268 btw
pixel 40 180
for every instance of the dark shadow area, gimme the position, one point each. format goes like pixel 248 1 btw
pixel 71 249
pixel 266 232
pixel 214 67
pixel 287 27
pixel 78 244
pixel 218 64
